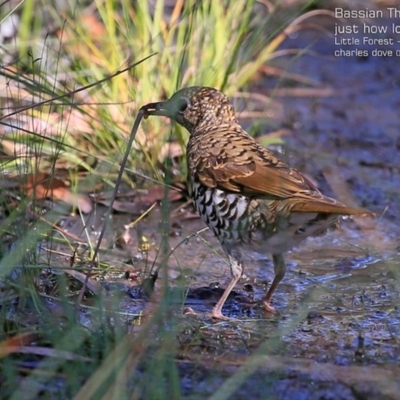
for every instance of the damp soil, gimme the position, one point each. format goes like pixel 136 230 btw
pixel 336 331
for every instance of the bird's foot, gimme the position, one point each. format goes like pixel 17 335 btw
pixel 268 308
pixel 217 315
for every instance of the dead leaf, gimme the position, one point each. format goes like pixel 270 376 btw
pixel 157 193
pixel 170 150
pixel 143 199
pixel 44 186
pixel 14 343
pixel 92 284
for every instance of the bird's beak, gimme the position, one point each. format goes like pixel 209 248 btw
pixel 155 109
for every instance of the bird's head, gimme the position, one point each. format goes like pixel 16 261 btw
pixel 194 107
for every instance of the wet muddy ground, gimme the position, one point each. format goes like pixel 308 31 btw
pixel 336 332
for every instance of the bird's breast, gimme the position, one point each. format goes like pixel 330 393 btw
pixel 226 214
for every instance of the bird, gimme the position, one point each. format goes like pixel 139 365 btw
pixel 244 193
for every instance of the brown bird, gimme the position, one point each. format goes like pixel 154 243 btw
pixel 248 197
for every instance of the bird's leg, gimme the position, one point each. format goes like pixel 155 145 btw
pixel 280 270
pixel 235 261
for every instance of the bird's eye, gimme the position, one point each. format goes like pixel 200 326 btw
pixel 183 104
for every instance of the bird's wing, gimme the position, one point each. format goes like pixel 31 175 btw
pixel 233 161
pixel 238 164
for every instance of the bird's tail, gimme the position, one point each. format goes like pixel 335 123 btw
pixel 322 207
